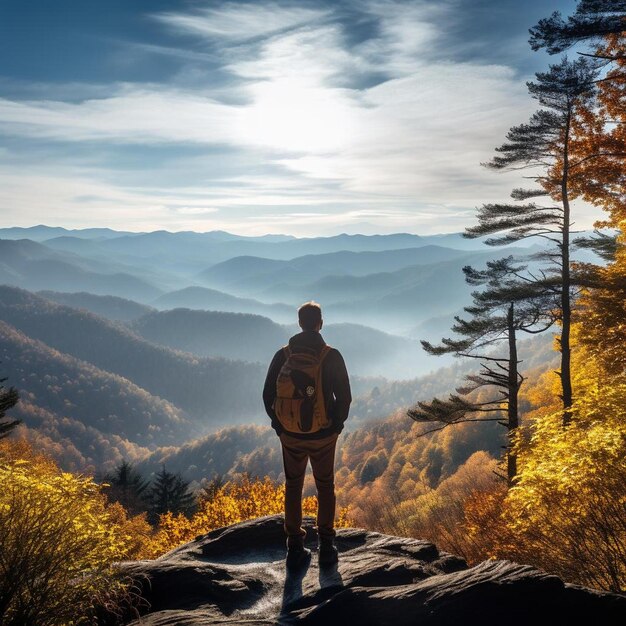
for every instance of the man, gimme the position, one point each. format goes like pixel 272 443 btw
pixel 307 396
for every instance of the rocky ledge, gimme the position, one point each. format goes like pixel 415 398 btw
pixel 237 575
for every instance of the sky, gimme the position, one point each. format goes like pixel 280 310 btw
pixel 304 118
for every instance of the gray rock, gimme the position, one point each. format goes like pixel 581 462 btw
pixel 237 575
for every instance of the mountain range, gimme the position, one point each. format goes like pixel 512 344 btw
pixel 143 345
pixel 378 281
pixel 213 391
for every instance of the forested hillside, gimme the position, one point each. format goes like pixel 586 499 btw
pixel 111 307
pixel 213 390
pixel 89 415
pixel 253 450
pixel 87 382
pixel 70 386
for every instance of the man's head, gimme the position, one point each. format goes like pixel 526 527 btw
pixel 310 316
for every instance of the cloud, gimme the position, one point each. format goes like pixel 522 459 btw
pixel 240 22
pixel 408 32
pixel 195 210
pixel 133 114
pixel 380 127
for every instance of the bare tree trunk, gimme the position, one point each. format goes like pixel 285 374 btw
pixel 512 409
pixel 566 319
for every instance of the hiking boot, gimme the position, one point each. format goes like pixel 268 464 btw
pixel 297 554
pixel 328 554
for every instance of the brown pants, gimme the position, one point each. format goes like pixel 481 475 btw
pixel 296 453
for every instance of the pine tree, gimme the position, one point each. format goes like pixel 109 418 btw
pixel 128 487
pixel 592 20
pixel 599 150
pixel 511 302
pixel 544 144
pixel 8 399
pixel 169 493
pixel 598 145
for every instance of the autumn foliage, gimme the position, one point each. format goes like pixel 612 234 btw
pixel 223 505
pixel 58 543
pixel 60 537
pixel 566 513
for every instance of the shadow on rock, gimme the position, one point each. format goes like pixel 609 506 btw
pixel 292 591
pixel 329 576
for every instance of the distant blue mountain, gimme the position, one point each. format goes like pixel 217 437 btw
pixel 205 299
pixel 42 233
pixel 30 265
pixel 252 274
pixel 163 258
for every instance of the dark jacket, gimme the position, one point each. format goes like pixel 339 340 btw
pixel 335 384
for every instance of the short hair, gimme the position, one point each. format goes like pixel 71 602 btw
pixel 310 315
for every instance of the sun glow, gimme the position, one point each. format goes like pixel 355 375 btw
pixel 290 115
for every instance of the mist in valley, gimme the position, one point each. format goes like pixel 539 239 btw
pixel 127 343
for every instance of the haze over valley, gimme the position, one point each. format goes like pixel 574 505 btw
pixel 131 345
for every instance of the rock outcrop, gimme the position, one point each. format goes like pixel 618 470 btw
pixel 237 575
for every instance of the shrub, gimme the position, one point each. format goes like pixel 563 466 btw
pixel 567 512
pixel 57 545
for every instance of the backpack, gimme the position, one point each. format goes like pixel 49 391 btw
pixel 299 403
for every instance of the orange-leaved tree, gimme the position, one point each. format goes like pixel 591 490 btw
pixel 600 151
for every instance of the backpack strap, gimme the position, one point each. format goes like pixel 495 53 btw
pixel 325 350
pixel 287 351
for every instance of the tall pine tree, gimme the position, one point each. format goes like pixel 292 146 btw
pixel 128 487
pixel 599 150
pixel 509 303
pixel 543 146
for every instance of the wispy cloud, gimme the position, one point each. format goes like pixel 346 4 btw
pixel 241 22
pixel 132 114
pixel 380 127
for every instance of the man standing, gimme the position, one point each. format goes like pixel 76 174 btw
pixel 307 396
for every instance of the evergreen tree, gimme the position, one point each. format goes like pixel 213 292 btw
pixel 599 149
pixel 169 493
pixel 8 399
pixel 592 20
pixel 544 145
pixel 510 302
pixel 127 487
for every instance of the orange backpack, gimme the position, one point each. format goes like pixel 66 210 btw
pixel 299 403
